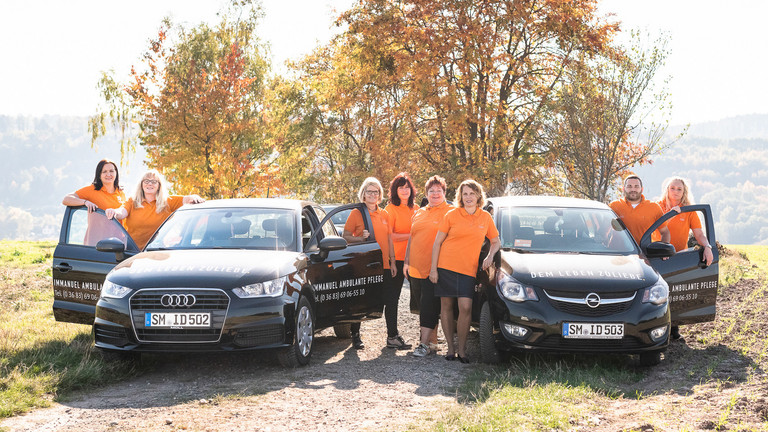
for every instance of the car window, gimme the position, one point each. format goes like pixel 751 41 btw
pixel 89 228
pixel 546 229
pixel 228 228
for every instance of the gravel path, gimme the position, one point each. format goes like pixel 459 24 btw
pixel 342 389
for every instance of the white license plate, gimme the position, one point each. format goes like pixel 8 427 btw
pixel 593 331
pixel 177 319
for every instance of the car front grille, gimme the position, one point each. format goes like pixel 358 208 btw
pixel 560 343
pixel 206 300
pixel 575 304
pixel 265 335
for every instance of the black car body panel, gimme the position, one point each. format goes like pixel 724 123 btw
pixel 584 277
pixel 185 291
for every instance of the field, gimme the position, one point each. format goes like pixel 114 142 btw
pixel 713 379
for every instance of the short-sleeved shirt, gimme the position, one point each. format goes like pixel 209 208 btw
pixel 142 222
pixel 400 218
pixel 466 232
pixel 679 227
pixel 423 233
pixel 637 219
pixel 380 222
pixel 103 199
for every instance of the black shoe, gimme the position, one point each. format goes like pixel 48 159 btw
pixel 675 332
pixel 357 342
pixel 461 359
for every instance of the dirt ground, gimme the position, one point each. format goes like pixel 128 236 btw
pixel 697 387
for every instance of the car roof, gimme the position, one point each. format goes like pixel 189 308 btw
pixel 545 201
pixel 278 203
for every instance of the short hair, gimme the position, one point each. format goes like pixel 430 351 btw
pixel 475 186
pixel 435 180
pixel 401 179
pixel 161 197
pixel 97 183
pixel 367 182
pixel 633 176
pixel 687 198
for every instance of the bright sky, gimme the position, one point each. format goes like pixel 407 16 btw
pixel 53 51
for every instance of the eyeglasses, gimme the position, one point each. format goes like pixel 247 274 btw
pixel 150 181
pixel 372 192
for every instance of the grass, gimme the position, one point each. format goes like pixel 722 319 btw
pixel 40 360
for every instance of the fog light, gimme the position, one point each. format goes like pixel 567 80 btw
pixel 515 330
pixel 659 333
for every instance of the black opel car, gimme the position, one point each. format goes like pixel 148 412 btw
pixel 570 278
pixel 224 275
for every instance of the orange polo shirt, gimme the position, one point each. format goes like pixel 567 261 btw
pixel 637 219
pixel 679 227
pixel 103 199
pixel 460 250
pixel 423 233
pixel 380 221
pixel 400 218
pixel 142 222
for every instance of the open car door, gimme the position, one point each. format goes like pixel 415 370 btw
pixel 692 284
pixel 78 268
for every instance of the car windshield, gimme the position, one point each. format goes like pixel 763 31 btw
pixel 574 230
pixel 228 228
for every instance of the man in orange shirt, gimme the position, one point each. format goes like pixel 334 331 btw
pixel 637 213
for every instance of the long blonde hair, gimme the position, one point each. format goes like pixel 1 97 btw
pixel 687 198
pixel 161 197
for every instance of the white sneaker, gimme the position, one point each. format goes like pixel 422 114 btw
pixel 422 351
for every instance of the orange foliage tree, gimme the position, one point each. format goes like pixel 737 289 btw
pixel 198 104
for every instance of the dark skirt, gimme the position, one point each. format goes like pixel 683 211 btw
pixel 452 284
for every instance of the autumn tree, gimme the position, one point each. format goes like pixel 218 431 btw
pixel 608 118
pixel 197 100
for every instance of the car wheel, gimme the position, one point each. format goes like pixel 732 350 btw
pixel 488 351
pixel 111 356
pixel 342 331
pixel 650 358
pixel 299 353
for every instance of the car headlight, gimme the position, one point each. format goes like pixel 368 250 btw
pixel 271 288
pixel 657 293
pixel 513 290
pixel 114 290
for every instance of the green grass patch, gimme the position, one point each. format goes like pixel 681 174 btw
pixel 40 359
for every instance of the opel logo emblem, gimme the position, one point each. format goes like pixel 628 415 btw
pixel 592 300
pixel 177 300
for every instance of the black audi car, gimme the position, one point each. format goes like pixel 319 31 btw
pixel 225 275
pixel 570 278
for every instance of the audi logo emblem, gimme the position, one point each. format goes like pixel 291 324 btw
pixel 177 300
pixel 592 300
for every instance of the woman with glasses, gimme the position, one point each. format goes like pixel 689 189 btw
pixel 455 255
pixel 149 208
pixel 370 194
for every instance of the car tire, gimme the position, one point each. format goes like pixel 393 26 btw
pixel 650 358
pixel 111 356
pixel 488 351
pixel 342 331
pixel 300 351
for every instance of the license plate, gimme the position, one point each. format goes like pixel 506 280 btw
pixel 593 331
pixel 177 319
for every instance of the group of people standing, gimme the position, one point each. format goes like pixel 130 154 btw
pixel 437 246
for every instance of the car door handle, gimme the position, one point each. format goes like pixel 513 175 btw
pixel 63 267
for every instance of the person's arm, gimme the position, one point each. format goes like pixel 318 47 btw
pixel 72 200
pixel 193 199
pixel 495 246
pixel 398 237
pixel 392 260
pixel 439 239
pixel 698 233
pixel 665 236
pixel 407 258
pixel 118 213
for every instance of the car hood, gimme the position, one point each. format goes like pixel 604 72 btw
pixel 210 268
pixel 580 272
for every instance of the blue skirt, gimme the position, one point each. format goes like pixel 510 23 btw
pixel 452 284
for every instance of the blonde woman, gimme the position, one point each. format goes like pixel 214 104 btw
pixel 149 207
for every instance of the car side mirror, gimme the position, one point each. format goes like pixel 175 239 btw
pixel 659 249
pixel 114 245
pixel 328 244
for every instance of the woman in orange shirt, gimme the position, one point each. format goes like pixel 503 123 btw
pixel 370 194
pixel 418 259
pixel 400 209
pixel 104 193
pixel 149 207
pixel 455 256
